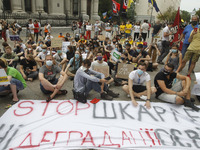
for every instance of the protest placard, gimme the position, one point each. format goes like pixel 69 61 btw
pixel 56 42
pixel 101 37
pixel 14 37
pixel 65 45
pixel 124 70
pixel 115 55
pixel 3 77
pixel 88 27
pixel 102 69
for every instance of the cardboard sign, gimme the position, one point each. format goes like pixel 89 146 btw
pixel 124 70
pixel 14 37
pixel 115 55
pixel 88 27
pixel 116 125
pixel 65 45
pixel 101 37
pixel 3 77
pixel 56 42
pixel 102 69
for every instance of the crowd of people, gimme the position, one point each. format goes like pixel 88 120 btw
pixel 36 58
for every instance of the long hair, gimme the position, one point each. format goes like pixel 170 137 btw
pixel 152 53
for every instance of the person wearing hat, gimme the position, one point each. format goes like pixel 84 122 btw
pixel 140 55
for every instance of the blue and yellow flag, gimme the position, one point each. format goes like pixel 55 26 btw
pixel 153 2
pixel 129 3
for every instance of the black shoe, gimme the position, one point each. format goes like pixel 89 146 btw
pixel 192 100
pixel 188 103
pixel 160 62
pixel 111 93
pixel 106 96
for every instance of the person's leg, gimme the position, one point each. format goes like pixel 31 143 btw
pixel 195 58
pixel 33 75
pixel 14 86
pixel 92 85
pixel 5 90
pixel 184 49
pixel 187 57
pixel 111 66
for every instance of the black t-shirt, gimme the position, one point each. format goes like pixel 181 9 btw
pixel 144 54
pixel 168 82
pixel 70 55
pixel 28 64
pixel 156 28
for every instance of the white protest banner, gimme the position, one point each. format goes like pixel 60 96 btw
pixel 115 55
pixel 3 77
pixel 65 45
pixel 68 124
pixel 196 88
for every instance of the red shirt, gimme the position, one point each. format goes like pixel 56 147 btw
pixel 36 26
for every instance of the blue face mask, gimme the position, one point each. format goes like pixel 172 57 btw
pixel 116 49
pixel 99 58
pixel 138 50
pixel 77 56
pixel 174 51
pixel 44 50
pixel 49 63
pixel 81 47
pixel 59 51
pixel 41 45
pixel 140 72
pixel 87 51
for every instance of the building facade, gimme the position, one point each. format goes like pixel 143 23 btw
pixel 144 8
pixel 56 12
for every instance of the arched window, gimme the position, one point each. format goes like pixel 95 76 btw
pixel 46 9
pixel 6 5
pixel 75 7
pixel 28 6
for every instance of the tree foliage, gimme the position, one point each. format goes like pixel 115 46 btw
pixel 185 15
pixel 168 15
pixel 198 12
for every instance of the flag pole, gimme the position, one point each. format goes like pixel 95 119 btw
pixel 151 14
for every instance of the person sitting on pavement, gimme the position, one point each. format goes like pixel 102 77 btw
pixel 59 56
pixel 139 85
pixel 179 93
pixel 40 58
pixel 49 84
pixel 17 82
pixel 28 68
pixel 10 57
pixel 86 79
pixel 19 51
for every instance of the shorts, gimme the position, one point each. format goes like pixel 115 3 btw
pixel 139 88
pixel 171 98
pixel 13 81
pixel 46 91
pixel 191 54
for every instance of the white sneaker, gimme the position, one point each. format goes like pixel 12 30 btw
pixel 143 97
pixel 128 96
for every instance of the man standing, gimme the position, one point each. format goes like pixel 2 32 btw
pixel 144 30
pixel 165 42
pixel 156 30
pixel 179 93
pixel 31 29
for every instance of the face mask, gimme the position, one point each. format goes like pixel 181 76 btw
pixel 59 51
pixel 122 58
pixel 140 72
pixel 41 45
pixel 95 45
pixel 83 68
pixel 99 58
pixel 81 47
pixel 18 47
pixel 77 56
pixel 29 49
pixel 126 43
pixel 49 62
pixel 87 51
pixel 109 44
pixel 194 23
pixel 138 50
pixel 44 50
pixel 174 50
pixel 49 40
pixel 166 72
pixel 116 49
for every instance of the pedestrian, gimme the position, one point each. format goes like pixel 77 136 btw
pixel 144 30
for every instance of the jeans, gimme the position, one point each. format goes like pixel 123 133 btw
pixel 165 50
pixel 183 51
pixel 13 81
pixel 144 36
pixel 32 74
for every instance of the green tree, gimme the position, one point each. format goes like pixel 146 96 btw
pixel 185 15
pixel 198 12
pixel 168 15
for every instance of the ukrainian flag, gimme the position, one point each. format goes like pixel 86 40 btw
pixel 153 2
pixel 129 3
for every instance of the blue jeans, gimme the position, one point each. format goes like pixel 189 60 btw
pixel 183 51
pixel 13 81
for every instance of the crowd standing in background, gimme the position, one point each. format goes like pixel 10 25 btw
pixel 35 57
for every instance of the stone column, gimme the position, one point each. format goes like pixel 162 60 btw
pixel 39 6
pixel 84 10
pixel 16 6
pixel 1 7
pixel 95 15
pixel 68 7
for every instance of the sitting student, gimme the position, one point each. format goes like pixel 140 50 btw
pixel 39 46
pixel 48 42
pixel 85 80
pixel 10 57
pixel 40 59
pixel 30 50
pixel 59 56
pixel 28 68
pixel 17 83
pixel 124 59
pixel 89 53
pixel 140 55
pixel 179 93
pixel 48 81
pixel 75 63
pixel 175 58
pixel 19 51
pixel 129 51
pixel 100 62
pixel 153 52
pixel 136 87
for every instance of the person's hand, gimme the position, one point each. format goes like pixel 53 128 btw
pixel 134 103
pixel 185 91
pixel 103 80
pixel 181 93
pixel 148 105
pixel 11 62
pixel 58 86
pixel 25 77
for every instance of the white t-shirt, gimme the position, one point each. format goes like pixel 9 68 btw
pixel 166 29
pixel 137 29
pixel 51 37
pixel 145 27
pixel 31 26
pixel 145 77
pixel 96 63
pixel 58 57
pixel 42 55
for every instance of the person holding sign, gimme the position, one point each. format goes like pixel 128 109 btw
pixel 17 82
pixel 136 87
pixel 49 84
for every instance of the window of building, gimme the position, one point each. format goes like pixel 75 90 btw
pixel 6 5
pixel 75 7
pixel 28 5
pixel 46 9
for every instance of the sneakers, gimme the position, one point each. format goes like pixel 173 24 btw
pixel 143 97
pixel 111 93
pixel 106 96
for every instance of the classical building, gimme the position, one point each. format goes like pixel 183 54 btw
pixel 144 8
pixel 56 12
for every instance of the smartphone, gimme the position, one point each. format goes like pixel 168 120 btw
pixel 107 78
pixel 195 29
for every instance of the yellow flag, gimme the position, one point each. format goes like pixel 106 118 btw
pixel 129 3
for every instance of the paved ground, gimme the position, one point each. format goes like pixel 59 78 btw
pixel 33 91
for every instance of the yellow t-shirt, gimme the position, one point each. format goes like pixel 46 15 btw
pixel 195 44
pixel 122 27
pixel 131 42
pixel 128 26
